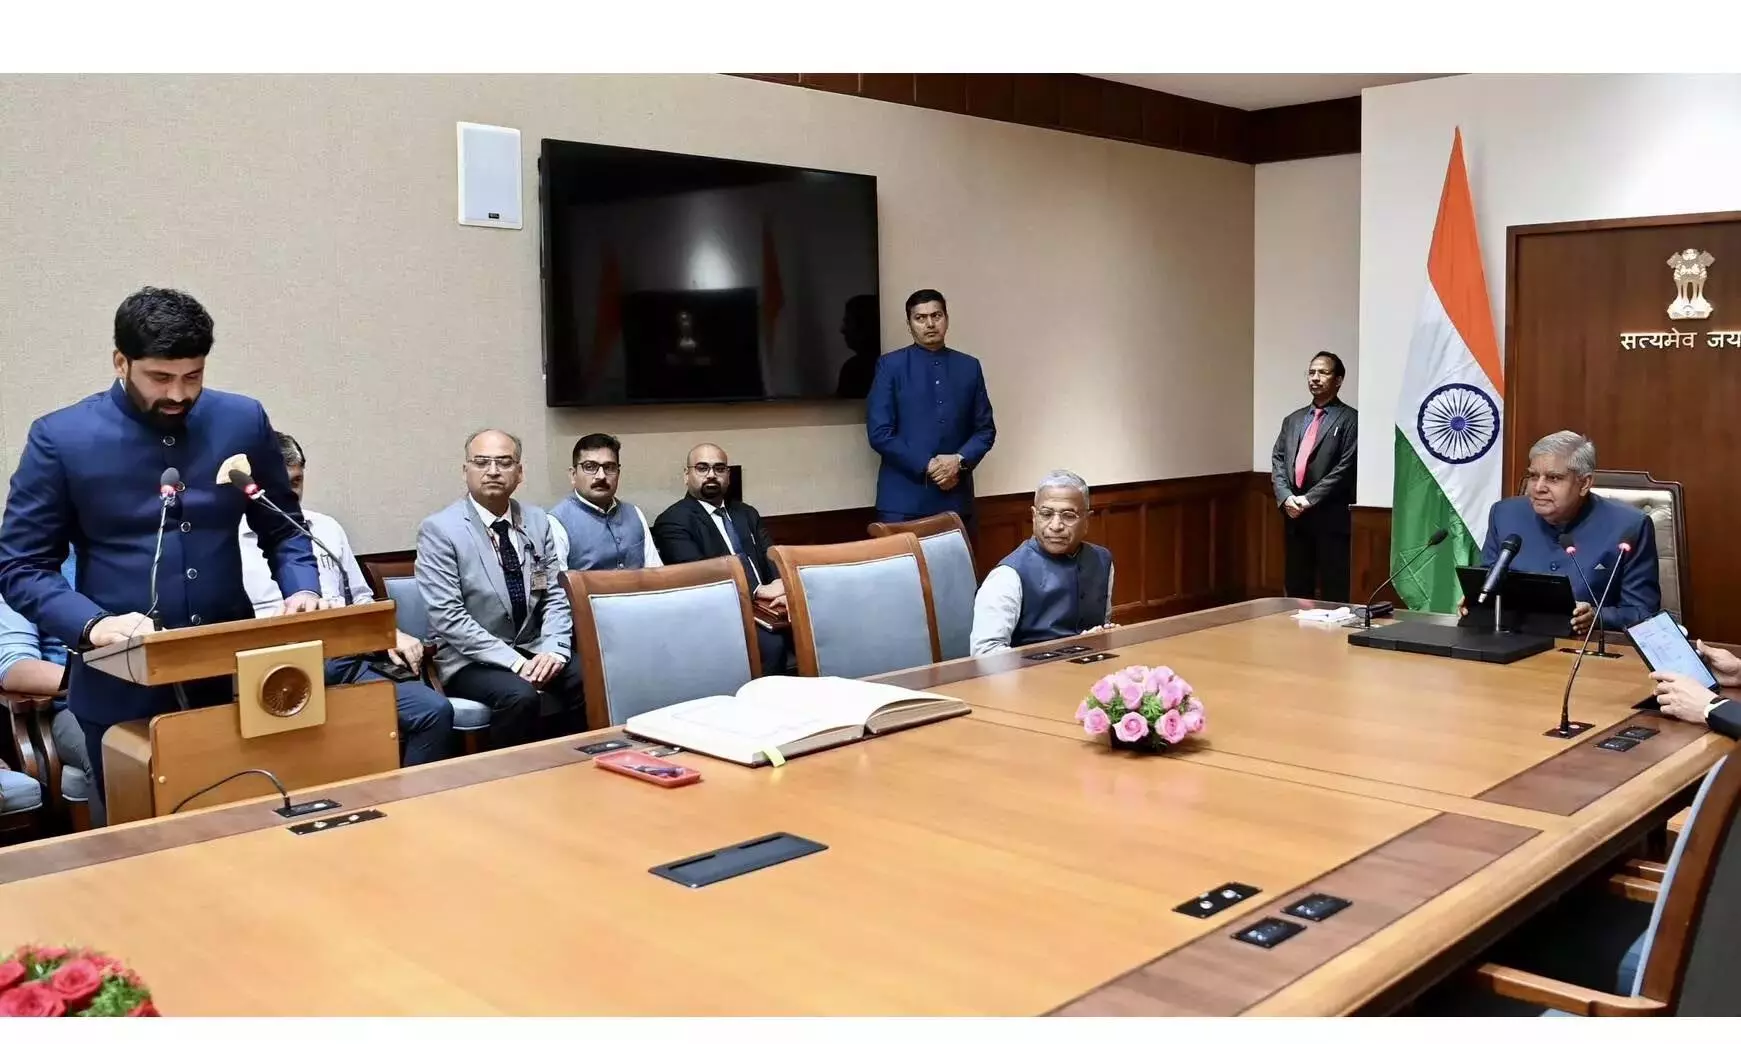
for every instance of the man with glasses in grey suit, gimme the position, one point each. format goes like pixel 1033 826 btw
pixel 488 571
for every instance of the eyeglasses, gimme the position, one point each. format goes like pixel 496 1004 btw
pixel 493 463
pixel 705 468
pixel 593 467
pixel 1069 518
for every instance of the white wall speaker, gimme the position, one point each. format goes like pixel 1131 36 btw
pixel 489 176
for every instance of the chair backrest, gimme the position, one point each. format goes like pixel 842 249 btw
pixel 408 607
pixel 648 638
pixel 954 581
pixel 1661 501
pixel 379 568
pixel 859 609
pixel 1693 945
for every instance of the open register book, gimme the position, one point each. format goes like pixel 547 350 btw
pixel 774 718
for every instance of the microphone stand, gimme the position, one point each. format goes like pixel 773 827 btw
pixel 1567 727
pixel 1371 604
pixel 252 491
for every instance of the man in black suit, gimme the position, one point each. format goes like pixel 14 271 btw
pixel 1312 470
pixel 702 526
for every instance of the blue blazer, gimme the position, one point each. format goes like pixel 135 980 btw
pixel 1597 532
pixel 87 481
pixel 921 404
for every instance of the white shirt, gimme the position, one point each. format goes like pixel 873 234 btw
pixel 521 543
pixel 721 523
pixel 998 607
pixel 559 532
pixel 263 591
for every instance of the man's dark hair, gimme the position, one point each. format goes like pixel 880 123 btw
pixel 1336 366
pixel 162 324
pixel 919 297
pixel 291 450
pixel 596 441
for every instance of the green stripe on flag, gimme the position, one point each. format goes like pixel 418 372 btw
pixel 1418 507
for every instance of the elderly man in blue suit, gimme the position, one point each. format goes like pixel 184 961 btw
pixel 929 418
pixel 88 481
pixel 1557 509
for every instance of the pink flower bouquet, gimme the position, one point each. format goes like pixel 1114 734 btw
pixel 54 981
pixel 1143 708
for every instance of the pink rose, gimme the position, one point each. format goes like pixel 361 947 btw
pixel 11 974
pixel 1096 722
pixel 1104 690
pixel 1157 677
pixel 1193 717
pixel 146 1009
pixel 32 1000
pixel 1132 694
pixel 1134 673
pixel 77 981
pixel 1174 692
pixel 1172 727
pixel 1132 727
pixel 1081 710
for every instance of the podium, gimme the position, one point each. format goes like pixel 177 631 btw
pixel 285 719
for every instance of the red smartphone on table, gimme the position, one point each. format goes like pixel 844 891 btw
pixel 657 771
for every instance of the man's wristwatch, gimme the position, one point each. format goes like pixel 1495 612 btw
pixel 1716 702
pixel 85 635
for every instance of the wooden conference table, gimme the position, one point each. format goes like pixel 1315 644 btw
pixel 998 863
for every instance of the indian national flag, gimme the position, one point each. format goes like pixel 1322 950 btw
pixel 1447 419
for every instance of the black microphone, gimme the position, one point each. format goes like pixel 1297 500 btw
pixel 1567 727
pixel 250 489
pixel 1496 575
pixel 1572 553
pixel 1372 608
pixel 166 492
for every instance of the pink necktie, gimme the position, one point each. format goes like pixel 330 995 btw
pixel 1307 441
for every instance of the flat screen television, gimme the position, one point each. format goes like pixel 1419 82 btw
pixel 672 279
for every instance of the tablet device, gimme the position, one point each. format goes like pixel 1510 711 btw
pixel 1665 649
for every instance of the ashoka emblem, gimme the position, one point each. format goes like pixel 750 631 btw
pixel 1458 423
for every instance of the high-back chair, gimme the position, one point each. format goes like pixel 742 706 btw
pixel 1685 961
pixel 471 719
pixel 1661 502
pixel 954 582
pixel 859 609
pixel 648 638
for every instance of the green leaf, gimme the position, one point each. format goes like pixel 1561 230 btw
pixel 115 999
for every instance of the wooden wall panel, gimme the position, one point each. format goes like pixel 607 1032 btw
pixel 1369 557
pixel 1107 109
pixel 1573 289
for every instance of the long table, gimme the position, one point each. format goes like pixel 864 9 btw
pixel 1000 863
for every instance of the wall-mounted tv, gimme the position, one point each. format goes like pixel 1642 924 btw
pixel 670 278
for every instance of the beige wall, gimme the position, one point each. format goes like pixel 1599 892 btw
pixel 1106 286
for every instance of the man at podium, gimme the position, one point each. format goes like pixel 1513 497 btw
pixel 88 479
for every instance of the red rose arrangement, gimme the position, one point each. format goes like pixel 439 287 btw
pixel 48 981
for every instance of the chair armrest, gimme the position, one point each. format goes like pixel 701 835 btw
pixel 1637 889
pixel 1561 996
pixel 1648 869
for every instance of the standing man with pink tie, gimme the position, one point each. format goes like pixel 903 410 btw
pixel 1313 470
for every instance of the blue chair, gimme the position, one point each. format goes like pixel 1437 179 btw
pixel 859 609
pixel 470 718
pixel 648 638
pixel 1684 963
pixel 954 580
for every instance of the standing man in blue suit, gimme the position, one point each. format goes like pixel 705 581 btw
pixel 87 481
pixel 929 418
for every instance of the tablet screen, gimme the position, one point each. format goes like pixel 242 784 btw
pixel 1666 649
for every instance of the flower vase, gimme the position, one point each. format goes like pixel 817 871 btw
pixel 1149 744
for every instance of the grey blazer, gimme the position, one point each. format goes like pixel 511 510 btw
pixel 460 578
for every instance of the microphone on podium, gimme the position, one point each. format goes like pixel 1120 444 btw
pixel 251 489
pixel 1378 608
pixel 1567 727
pixel 166 494
pixel 1507 551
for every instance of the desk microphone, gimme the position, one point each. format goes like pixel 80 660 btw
pixel 1567 727
pixel 1496 575
pixel 1372 607
pixel 166 484
pixel 250 489
pixel 1602 640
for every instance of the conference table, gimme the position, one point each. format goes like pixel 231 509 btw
pixel 999 863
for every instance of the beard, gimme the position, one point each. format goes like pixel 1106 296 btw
pixel 154 409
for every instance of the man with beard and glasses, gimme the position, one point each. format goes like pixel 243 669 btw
pixel 87 481
pixel 597 530
pixel 702 526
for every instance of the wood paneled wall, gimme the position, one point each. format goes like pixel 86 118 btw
pixel 1178 545
pixel 1369 557
pixel 1573 289
pixel 1108 109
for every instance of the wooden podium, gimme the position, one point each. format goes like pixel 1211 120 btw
pixel 285 719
